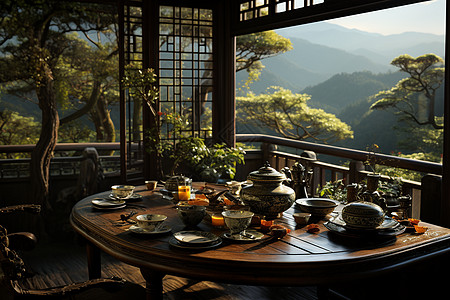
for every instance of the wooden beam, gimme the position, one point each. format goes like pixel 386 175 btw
pixel 445 203
pixel 224 108
pixel 329 9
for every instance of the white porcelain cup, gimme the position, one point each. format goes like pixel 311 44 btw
pixel 150 222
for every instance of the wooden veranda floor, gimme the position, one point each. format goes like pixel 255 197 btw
pixel 61 263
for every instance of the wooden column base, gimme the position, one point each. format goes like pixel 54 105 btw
pixel 154 284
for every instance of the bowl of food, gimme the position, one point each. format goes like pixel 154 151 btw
pixel 122 191
pixel 317 206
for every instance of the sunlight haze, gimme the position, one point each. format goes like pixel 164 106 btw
pixel 428 17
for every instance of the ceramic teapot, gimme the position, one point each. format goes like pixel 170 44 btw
pixel 267 195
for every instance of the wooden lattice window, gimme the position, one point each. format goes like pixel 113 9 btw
pixel 132 55
pixel 253 9
pixel 186 68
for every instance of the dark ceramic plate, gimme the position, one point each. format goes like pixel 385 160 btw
pixel 390 227
pixel 173 242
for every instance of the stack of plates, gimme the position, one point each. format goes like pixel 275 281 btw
pixel 108 204
pixel 389 227
pixel 195 240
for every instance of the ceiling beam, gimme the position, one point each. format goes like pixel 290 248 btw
pixel 329 9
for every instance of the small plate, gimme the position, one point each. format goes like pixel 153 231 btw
pixel 106 203
pixel 173 242
pixel 134 198
pixel 109 208
pixel 257 236
pixel 139 230
pixel 195 238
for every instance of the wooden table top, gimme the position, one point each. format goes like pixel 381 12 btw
pixel 300 258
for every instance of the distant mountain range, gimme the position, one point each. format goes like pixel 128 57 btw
pixel 341 68
pixel 322 50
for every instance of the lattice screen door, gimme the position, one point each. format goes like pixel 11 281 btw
pixel 179 43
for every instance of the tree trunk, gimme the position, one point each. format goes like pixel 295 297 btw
pixel 104 126
pixel 43 152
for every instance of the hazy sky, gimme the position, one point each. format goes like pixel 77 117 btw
pixel 421 17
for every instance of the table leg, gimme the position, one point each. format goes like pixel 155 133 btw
pixel 94 261
pixel 153 284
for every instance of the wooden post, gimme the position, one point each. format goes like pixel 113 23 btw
pixel 94 261
pixel 354 173
pixel 431 199
pixel 445 203
pixel 266 154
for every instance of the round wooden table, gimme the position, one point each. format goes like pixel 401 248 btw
pixel 300 258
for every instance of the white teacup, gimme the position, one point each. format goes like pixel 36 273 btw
pixel 150 222
pixel 237 220
pixel 122 191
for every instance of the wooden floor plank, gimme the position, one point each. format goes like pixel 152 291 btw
pixel 64 263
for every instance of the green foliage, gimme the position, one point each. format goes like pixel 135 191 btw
pixel 189 152
pixel 17 130
pixel 222 159
pixel 252 48
pixel 337 190
pixel 289 115
pixel 141 84
pixel 414 95
pixel 75 132
pixel 334 190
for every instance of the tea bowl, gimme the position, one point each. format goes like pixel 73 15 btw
pixel 151 184
pixel 122 191
pixel 317 206
pixel 191 215
pixel 150 222
pixel 237 220
pixel 301 218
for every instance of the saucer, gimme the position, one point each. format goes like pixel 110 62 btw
pixel 108 204
pixel 114 198
pixel 134 198
pixel 388 223
pixel 139 230
pixel 195 238
pixel 257 236
pixel 173 242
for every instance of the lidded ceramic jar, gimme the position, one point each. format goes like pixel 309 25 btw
pixel 173 182
pixel 363 215
pixel 267 196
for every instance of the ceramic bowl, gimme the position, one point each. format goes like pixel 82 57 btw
pixel 237 220
pixel 122 191
pixel 301 218
pixel 191 215
pixel 317 206
pixel 363 215
pixel 151 184
pixel 150 222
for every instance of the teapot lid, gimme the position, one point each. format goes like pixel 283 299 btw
pixel 266 173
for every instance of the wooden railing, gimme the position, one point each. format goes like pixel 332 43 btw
pixel 323 172
pixel 17 169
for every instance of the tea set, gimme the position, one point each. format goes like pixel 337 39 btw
pixel 267 194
